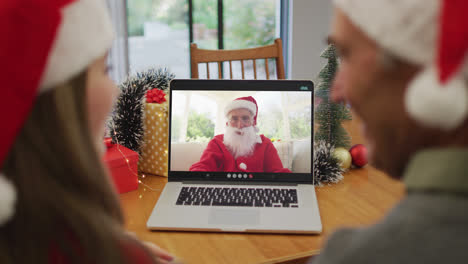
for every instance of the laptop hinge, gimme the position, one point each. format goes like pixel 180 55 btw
pixel 240 183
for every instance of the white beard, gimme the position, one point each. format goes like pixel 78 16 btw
pixel 240 145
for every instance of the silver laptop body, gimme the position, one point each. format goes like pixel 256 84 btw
pixel 240 201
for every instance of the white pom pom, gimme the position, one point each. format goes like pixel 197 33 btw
pixel 242 166
pixel 7 199
pixel 436 105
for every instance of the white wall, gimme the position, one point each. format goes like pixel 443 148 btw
pixel 309 29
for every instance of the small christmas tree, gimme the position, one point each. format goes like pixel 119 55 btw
pixel 329 115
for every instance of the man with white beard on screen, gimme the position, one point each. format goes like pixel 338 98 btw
pixel 240 149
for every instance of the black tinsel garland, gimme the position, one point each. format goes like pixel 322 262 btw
pixel 126 124
pixel 326 167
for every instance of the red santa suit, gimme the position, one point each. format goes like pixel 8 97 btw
pixel 216 157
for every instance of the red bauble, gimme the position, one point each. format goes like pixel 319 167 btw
pixel 358 155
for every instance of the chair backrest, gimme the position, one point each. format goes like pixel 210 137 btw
pixel 274 51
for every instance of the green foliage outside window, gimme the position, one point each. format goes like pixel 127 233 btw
pixel 248 23
pixel 206 12
pixel 200 127
pixel 299 123
pixel 138 12
pixel 174 13
pixel 271 124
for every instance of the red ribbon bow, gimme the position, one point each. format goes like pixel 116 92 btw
pixel 155 96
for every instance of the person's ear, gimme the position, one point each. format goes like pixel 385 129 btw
pixel 226 123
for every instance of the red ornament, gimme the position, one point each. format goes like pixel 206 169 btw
pixel 358 155
pixel 155 96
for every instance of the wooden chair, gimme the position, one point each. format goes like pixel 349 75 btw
pixel 274 51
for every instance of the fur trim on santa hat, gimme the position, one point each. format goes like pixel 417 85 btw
pixel 7 199
pixel 407 29
pixel 436 105
pixel 84 35
pixel 429 33
pixel 236 104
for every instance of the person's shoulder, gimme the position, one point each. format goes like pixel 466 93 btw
pixel 414 225
pixel 219 138
pixel 362 245
pixel 336 249
pixel 359 245
pixel 265 139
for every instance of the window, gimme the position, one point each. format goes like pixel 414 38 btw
pixel 160 31
pixel 158 35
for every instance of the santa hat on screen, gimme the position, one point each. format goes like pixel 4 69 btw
pixel 49 42
pixel 430 33
pixel 248 103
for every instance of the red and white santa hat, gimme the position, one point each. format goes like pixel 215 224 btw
pixel 247 102
pixel 47 43
pixel 430 33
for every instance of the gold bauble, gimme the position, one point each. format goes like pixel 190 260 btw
pixel 343 156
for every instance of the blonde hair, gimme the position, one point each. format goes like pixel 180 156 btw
pixel 65 197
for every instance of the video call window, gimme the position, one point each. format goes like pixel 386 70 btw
pixel 203 135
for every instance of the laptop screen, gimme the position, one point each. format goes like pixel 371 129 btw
pixel 237 130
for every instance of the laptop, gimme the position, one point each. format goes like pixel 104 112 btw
pixel 271 190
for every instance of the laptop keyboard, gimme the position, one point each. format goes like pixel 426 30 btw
pixel 247 197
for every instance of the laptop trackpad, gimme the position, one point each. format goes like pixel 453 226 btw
pixel 234 217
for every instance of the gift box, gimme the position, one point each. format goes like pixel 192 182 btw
pixel 122 163
pixel 154 151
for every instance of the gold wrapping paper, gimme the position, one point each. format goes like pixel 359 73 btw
pixel 154 154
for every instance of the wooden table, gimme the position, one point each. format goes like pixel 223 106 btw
pixel 362 198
